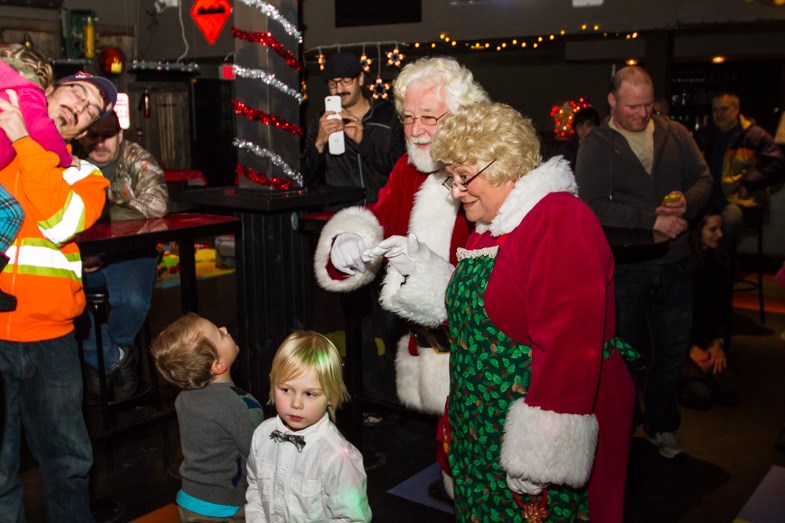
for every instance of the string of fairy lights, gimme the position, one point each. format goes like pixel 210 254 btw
pixel 387 53
pixel 445 42
pixel 392 50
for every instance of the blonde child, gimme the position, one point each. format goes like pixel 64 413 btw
pixel 300 467
pixel 216 418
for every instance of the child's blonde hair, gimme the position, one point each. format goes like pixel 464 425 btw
pixel 27 62
pixel 303 350
pixel 183 355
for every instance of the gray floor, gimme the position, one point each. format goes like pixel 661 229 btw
pixel 730 449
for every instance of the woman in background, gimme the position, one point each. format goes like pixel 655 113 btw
pixel 706 374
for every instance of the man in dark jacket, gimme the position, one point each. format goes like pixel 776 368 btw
pixel 744 162
pixel 373 133
pixel 373 137
pixel 626 167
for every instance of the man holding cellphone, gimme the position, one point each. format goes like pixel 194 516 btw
pixel 372 131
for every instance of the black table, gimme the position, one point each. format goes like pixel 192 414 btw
pixel 134 235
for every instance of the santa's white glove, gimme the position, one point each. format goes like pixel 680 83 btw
pixel 346 253
pixel 402 252
pixel 523 486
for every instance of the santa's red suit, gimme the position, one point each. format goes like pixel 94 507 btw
pixel 410 202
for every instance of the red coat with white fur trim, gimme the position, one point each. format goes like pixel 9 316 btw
pixel 410 202
pixel 552 289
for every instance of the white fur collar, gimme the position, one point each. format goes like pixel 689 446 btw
pixel 432 217
pixel 552 176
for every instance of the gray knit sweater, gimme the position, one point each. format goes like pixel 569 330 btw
pixel 216 427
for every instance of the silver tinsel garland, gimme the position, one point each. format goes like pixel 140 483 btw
pixel 268 78
pixel 295 176
pixel 271 12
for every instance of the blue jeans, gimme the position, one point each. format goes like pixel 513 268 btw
pixel 130 285
pixel 42 392
pixel 654 310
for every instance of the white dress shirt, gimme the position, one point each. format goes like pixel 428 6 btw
pixel 324 482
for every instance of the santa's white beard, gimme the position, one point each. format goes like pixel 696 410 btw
pixel 421 158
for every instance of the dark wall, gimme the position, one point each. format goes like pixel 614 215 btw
pixel 212 151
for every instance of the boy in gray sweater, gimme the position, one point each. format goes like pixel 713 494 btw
pixel 216 418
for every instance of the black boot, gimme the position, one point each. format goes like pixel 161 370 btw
pixel 7 302
pixel 124 380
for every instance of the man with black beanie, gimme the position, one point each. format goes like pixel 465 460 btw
pixel 373 133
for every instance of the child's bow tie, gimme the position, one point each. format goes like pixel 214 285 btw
pixel 297 441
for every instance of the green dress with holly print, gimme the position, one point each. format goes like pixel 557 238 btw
pixel 488 372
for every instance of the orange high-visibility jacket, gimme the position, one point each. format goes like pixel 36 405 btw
pixel 45 268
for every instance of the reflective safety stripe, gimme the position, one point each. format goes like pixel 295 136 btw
pixel 65 224
pixel 70 219
pixel 44 261
pixel 73 175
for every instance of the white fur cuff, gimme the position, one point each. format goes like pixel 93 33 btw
pixel 548 447
pixel 359 221
pixel 421 298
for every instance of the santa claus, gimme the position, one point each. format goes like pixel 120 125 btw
pixel 413 201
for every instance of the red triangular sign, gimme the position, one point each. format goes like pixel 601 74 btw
pixel 210 17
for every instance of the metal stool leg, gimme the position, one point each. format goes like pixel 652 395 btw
pixel 98 303
pixel 761 306
pixel 156 392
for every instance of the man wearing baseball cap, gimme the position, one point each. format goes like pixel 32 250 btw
pixel 40 371
pixel 76 101
pixel 137 191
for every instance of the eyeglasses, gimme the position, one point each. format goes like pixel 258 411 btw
pixel 343 81
pixel 77 95
pixel 408 119
pixel 464 181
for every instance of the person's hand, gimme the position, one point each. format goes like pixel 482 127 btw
pixel 346 253
pixel 670 225
pixel 353 127
pixel 11 119
pixel 91 264
pixel 402 252
pixel 717 356
pixel 524 486
pixel 701 358
pixel 327 126
pixel 674 209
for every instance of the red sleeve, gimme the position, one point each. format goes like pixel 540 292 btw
pixel 551 288
pixel 397 197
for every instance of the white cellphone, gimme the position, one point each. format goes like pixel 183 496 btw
pixel 335 141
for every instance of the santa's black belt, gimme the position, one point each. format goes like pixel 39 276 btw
pixel 437 338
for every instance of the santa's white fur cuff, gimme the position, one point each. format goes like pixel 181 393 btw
pixel 361 222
